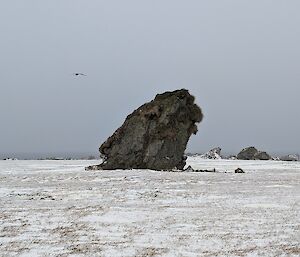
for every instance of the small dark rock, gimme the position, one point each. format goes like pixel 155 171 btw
pixel 190 169
pixel 239 170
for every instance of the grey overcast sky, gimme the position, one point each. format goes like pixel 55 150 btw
pixel 241 59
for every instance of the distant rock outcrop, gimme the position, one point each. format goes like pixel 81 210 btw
pixel 262 156
pixel 247 153
pixel 251 153
pixel 214 153
pixel 290 158
pixel 154 136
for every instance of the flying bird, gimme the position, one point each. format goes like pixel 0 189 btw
pixel 79 74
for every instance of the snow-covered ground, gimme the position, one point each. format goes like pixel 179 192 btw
pixel 56 208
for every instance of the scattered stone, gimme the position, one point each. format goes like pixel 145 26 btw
pixel 154 136
pixel 239 170
pixel 290 158
pixel 190 169
pixel 231 157
pixel 214 153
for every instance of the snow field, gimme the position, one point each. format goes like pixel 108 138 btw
pixel 56 208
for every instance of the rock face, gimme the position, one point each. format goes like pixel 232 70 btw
pixel 251 153
pixel 214 153
pixel 154 136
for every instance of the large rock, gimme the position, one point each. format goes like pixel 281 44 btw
pixel 251 153
pixel 247 153
pixel 154 136
pixel 214 153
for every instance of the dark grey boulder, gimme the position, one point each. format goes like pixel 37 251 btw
pixel 247 153
pixel 262 156
pixel 154 136
pixel 251 153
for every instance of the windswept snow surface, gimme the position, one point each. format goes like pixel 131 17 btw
pixel 56 208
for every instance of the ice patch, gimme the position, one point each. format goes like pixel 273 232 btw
pixel 284 186
pixel 265 205
pixel 116 217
